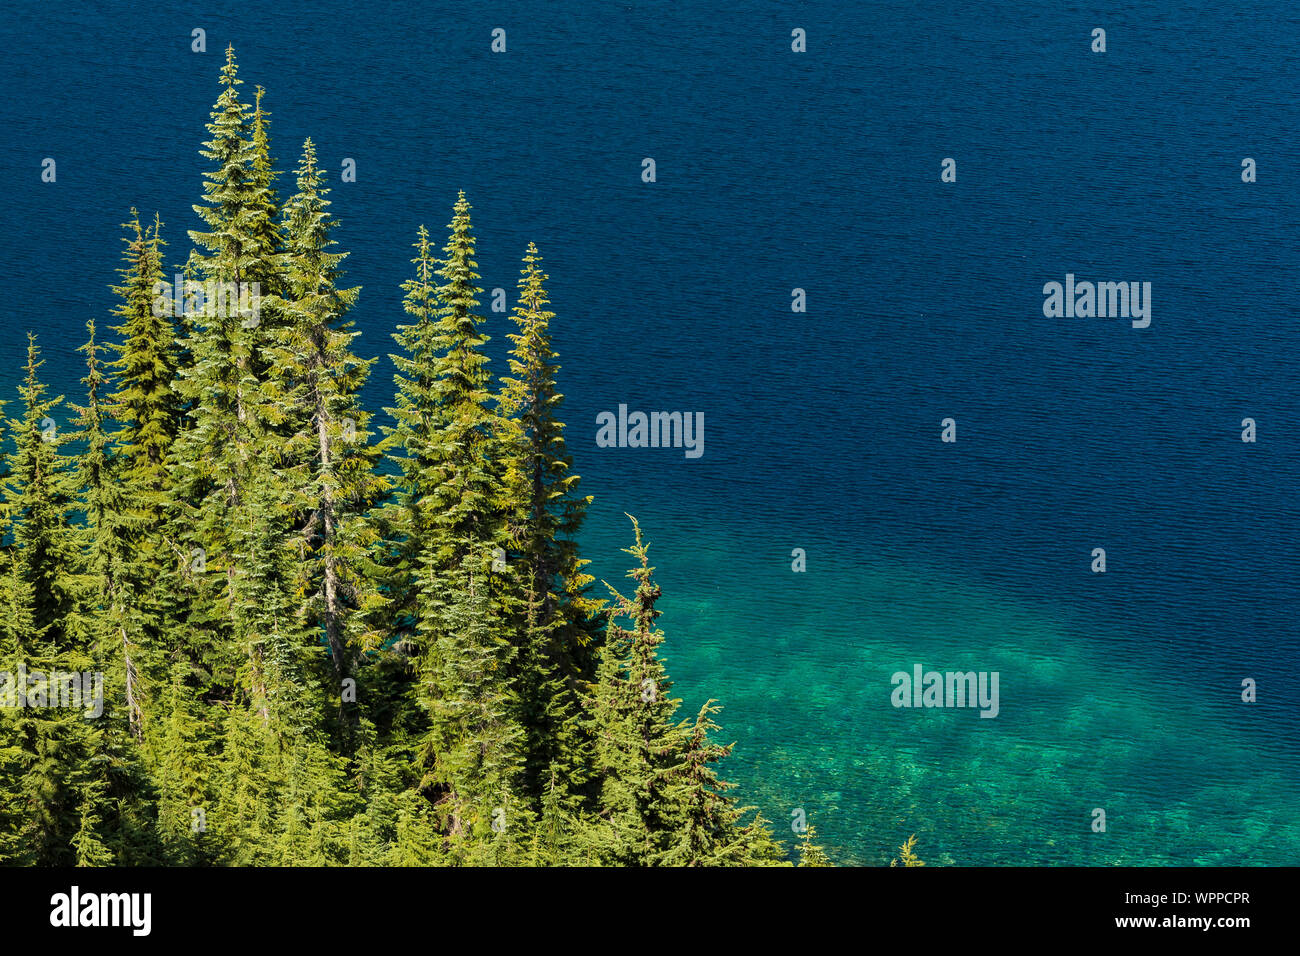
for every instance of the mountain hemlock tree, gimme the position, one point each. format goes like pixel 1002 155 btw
pixel 114 821
pixel 907 854
pixel 131 546
pixel 452 528
pixel 332 464
pixel 232 402
pixel 44 630
pixel 407 519
pixel 661 801
pixel 558 621
pixel 810 854
pixel 638 746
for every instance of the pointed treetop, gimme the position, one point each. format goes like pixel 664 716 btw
pixel 34 362
pixel 230 72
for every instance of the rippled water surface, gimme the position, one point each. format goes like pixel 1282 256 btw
pixel 820 171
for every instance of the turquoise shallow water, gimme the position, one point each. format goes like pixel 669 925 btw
pixel 1186 773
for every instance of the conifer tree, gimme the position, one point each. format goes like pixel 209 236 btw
pixel 661 800
pixel 279 799
pixel 267 265
pixel 211 458
pixel 131 547
pixel 185 788
pixel 145 402
pixel 45 631
pixel 233 398
pixel 406 521
pixel 467 495
pixel 810 854
pixel 113 596
pixel 907 854
pixel 450 527
pixel 474 743
pixel 115 821
pixel 90 849
pixel 557 621
pixel 638 745
pixel 555 839
pixel 38 502
pixel 330 461
pixel 709 832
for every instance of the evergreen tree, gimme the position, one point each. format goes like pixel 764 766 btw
pixel 267 253
pixel 45 631
pixel 231 403
pixel 907 854
pixel 557 620
pixel 145 402
pixel 474 743
pixel 661 801
pixel 185 790
pixel 116 821
pixel 38 502
pixel 466 497
pixel 90 849
pixel 330 463
pixel 407 521
pixel 555 836
pixel 113 596
pixel 810 854
pixel 709 832
pixel 449 530
pixel 638 745
pixel 131 549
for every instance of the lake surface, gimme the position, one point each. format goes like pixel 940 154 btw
pixel 924 301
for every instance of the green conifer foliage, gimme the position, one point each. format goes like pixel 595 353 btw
pixel 661 800
pixel 330 463
pixel 131 550
pixel 907 854
pixel 38 502
pixel 810 854
pixel 316 649
pixel 410 444
pixel 144 403
pixel 474 742
pixel 637 743
pixel 45 630
pixel 557 619
pixel 450 528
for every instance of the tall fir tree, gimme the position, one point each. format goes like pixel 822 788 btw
pixel 473 749
pixel 234 401
pixel 810 853
pixel 46 630
pixel 116 820
pixel 557 622
pixel 330 462
pixel 638 745
pixel 132 546
pixel 451 529
pixel 407 519
pixel 145 403
pixel 38 503
pixel 710 832
pixel 662 802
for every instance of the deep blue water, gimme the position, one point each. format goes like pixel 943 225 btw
pixel 820 171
